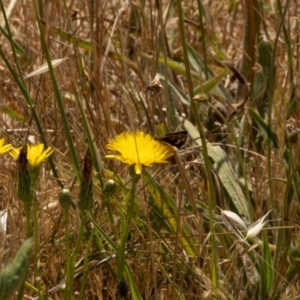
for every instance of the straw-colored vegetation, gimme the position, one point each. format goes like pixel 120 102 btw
pixel 227 72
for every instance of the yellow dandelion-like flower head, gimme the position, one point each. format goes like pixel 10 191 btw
pixel 35 154
pixel 139 148
pixel 4 148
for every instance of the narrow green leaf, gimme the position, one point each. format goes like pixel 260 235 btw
pixel 133 288
pixel 12 113
pixel 210 84
pixel 176 91
pixel 88 46
pixel 17 46
pixel 269 135
pixel 267 270
pixel 169 210
pixel 72 39
pixel 58 98
pixel 178 67
pixel 219 88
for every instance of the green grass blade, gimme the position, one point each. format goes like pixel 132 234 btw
pixel 134 291
pixel 195 118
pixel 209 85
pixel 12 113
pixel 267 270
pixel 72 39
pixel 269 135
pixel 176 92
pixel 201 66
pixel 170 212
pixel 21 85
pixel 59 98
pixel 16 45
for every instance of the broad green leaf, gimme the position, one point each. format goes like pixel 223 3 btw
pixel 13 275
pixel 224 170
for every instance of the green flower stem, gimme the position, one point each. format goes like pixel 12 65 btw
pixel 85 266
pixel 125 225
pixel 21 291
pixel 134 290
pixel 67 246
pixel 72 260
pixel 34 174
pixel 108 191
pixel 28 218
pixel 36 246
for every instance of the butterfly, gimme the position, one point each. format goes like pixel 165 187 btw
pixel 176 139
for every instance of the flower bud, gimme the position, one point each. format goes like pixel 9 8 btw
pixel 109 188
pixel 86 198
pixel 65 199
pixel 24 190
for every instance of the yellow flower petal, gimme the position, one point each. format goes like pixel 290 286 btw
pixel 35 154
pixel 4 148
pixel 139 148
pixel 15 152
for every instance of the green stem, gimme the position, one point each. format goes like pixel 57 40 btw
pixel 111 218
pixel 72 260
pixel 195 118
pixel 125 225
pixel 36 246
pixel 85 266
pixel 134 291
pixel 67 247
pixel 28 218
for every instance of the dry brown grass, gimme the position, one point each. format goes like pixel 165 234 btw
pixel 109 81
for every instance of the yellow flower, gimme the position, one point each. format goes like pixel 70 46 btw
pixel 35 154
pixel 4 148
pixel 139 148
